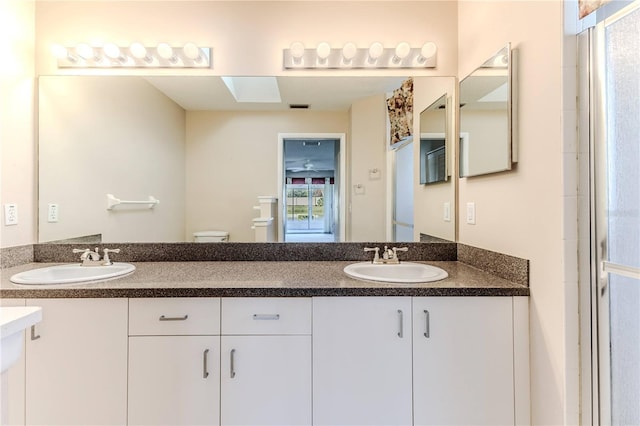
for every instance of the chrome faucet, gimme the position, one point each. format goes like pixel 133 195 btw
pixel 88 255
pixel 92 258
pixel 389 255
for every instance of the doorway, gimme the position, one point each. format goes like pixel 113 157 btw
pixel 310 170
pixel 402 220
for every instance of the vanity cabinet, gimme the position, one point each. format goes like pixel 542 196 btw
pixel 76 363
pixel 266 361
pixel 463 361
pixel 362 361
pixel 174 361
pixel 421 360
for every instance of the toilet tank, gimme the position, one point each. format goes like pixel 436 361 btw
pixel 210 236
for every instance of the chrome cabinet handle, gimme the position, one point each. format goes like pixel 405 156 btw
pixel 259 317
pixel 232 362
pixel 33 333
pixel 400 330
pixel 205 370
pixel 163 318
pixel 426 325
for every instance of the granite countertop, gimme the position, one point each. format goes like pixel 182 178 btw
pixel 261 279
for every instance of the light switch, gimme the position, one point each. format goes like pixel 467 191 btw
pixel 447 212
pixel 471 213
pixel 11 214
pixel 52 215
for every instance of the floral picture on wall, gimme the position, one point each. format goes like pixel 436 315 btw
pixel 585 7
pixel 400 110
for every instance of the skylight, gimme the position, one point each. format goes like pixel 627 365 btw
pixel 253 89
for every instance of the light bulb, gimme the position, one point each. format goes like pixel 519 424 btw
pixel 427 51
pixel 349 51
pixel 375 51
pixel 113 52
pixel 166 52
pixel 85 51
pixel 138 51
pixel 60 52
pixel 401 52
pixel 192 52
pixel 323 50
pixel 297 52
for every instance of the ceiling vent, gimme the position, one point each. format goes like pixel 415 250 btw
pixel 298 106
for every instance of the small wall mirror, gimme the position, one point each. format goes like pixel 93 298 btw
pixel 433 142
pixel 487 117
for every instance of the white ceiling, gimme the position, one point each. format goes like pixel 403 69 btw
pixel 194 93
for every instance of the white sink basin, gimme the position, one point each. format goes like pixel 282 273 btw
pixel 13 320
pixel 404 272
pixel 72 273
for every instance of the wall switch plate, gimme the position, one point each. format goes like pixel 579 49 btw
pixel 11 214
pixel 471 213
pixel 447 212
pixel 52 213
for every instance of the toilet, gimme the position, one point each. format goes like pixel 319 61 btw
pixel 210 236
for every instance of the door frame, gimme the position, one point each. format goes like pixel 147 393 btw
pixel 340 181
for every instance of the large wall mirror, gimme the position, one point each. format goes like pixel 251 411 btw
pixel 207 149
pixel 487 117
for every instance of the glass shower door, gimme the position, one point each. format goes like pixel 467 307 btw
pixel 617 211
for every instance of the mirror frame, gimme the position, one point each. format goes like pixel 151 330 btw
pixel 512 124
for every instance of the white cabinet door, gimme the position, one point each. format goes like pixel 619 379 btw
pixel 463 361
pixel 266 380
pixel 362 361
pixel 174 380
pixel 76 363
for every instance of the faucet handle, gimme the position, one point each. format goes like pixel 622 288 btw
pixel 106 259
pixel 376 256
pixel 397 249
pixel 84 255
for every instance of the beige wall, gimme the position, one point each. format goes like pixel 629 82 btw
pixel 520 212
pixel 17 140
pixel 231 159
pixel 120 136
pixel 367 151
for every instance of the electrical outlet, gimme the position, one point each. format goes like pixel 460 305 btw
pixel 10 214
pixel 471 213
pixel 52 215
pixel 447 212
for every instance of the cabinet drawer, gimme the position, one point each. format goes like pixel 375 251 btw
pixel 174 316
pixel 263 315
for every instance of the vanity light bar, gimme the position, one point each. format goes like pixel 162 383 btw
pixel 349 56
pixel 136 55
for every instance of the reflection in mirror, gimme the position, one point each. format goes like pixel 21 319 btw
pixel 487 121
pixel 433 141
pixel 208 154
pixel 435 203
